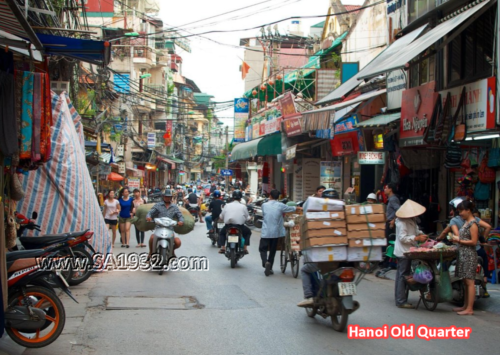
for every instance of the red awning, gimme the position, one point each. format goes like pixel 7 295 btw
pixel 115 177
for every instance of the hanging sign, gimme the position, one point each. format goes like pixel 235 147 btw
pixel 291 152
pixel 292 127
pixel 119 151
pixel 347 125
pixel 151 140
pixel 371 158
pixel 287 105
pixel 134 183
pixel 241 112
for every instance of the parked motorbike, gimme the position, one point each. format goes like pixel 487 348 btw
pixel 155 197
pixel 333 296
pixel 68 244
pixel 35 316
pixel 234 244
pixel 163 242
pixel 251 214
pixel 458 284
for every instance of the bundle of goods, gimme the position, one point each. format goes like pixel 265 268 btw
pixel 293 221
pixel 139 220
pixel 431 251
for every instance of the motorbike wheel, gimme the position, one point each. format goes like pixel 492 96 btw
pixel 54 313
pixel 429 304
pixel 283 261
pixel 257 222
pixel 339 321
pixel 232 255
pixel 294 263
pixel 80 275
pixel 163 252
pixel 311 311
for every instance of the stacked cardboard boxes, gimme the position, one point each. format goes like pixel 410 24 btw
pixel 365 232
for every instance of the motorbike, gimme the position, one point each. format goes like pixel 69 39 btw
pixel 251 214
pixel 234 244
pixel 193 209
pixel 214 236
pixel 163 242
pixel 333 296
pixel 458 284
pixel 68 244
pixel 34 316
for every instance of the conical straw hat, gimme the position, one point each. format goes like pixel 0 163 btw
pixel 410 209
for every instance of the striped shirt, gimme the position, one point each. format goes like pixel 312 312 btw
pixel 161 210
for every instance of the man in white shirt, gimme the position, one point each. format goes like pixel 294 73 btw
pixel 407 235
pixel 234 213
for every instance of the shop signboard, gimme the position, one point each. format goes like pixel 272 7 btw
pixel 480 104
pixel 119 150
pixel 371 158
pixel 396 84
pixel 121 168
pixel 151 140
pixel 287 105
pixel 290 152
pixel 241 112
pixel 310 176
pixel 272 126
pixel 331 174
pixel 347 125
pixel 297 183
pixel 134 183
pixel 292 126
pixel 255 130
pixel 347 143
pixel 416 112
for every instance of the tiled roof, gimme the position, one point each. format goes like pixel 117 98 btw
pixel 353 7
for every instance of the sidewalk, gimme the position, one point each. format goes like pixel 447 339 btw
pixel 68 342
pixel 491 304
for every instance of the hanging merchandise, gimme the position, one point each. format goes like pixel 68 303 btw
pixel 453 158
pixel 8 127
pixel 403 169
pixel 430 131
pixel 461 127
pixel 466 164
pixel 16 188
pixel 482 191
pixel 443 124
pixel 465 187
pixel 486 174
pixel 494 155
pixel 473 158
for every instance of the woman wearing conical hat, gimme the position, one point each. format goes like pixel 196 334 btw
pixel 407 235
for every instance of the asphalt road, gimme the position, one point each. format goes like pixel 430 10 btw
pixel 241 311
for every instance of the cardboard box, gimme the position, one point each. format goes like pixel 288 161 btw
pixel 337 215
pixel 311 242
pixel 366 234
pixel 308 225
pixel 324 204
pixel 339 232
pixel 365 209
pixel 372 218
pixel 365 226
pixel 361 254
pixel 364 242
pixel 319 254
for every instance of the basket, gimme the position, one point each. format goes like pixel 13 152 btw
pixel 434 255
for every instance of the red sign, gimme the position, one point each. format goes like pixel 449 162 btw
pixel 346 143
pixel 262 129
pixel 292 127
pixel 417 107
pixel 287 105
pixel 168 134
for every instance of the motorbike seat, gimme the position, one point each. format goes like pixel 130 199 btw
pixel 48 239
pixel 24 254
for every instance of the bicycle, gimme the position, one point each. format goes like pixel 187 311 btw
pixel 288 254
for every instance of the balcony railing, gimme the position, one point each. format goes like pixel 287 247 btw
pixel 156 90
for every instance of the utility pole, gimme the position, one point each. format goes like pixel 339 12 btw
pixel 227 156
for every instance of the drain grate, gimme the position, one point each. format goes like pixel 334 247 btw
pixel 144 302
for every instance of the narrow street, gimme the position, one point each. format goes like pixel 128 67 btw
pixel 240 311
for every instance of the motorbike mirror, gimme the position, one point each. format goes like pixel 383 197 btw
pixel 34 215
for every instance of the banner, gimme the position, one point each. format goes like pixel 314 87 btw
pixel 287 105
pixel 151 140
pixel 292 127
pixel 168 133
pixel 134 183
pixel 241 112
pixel 290 152
pixel 331 175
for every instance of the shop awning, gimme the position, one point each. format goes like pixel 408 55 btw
pixel 90 144
pixel 400 59
pixel 135 172
pixel 380 121
pixel 168 161
pixel 13 21
pixel 19 45
pixel 269 145
pixel 90 51
pixel 351 84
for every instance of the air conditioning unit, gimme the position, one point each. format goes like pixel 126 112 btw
pixel 59 86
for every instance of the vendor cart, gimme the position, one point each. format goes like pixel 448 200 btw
pixel 290 245
pixel 430 292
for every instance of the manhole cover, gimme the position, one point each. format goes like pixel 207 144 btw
pixel 177 303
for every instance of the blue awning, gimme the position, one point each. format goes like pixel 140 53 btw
pixel 90 51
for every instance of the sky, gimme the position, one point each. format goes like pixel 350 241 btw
pixel 215 67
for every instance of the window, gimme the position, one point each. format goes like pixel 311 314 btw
pixel 470 54
pixel 423 72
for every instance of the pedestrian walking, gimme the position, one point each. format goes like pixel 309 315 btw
pixel 407 235
pixel 110 213
pixel 272 229
pixel 138 200
pixel 126 208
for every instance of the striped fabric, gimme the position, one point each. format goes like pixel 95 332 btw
pixel 61 190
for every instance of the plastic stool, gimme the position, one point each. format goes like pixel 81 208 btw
pixel 493 278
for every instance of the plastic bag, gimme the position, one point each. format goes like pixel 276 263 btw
pixel 444 288
pixel 423 274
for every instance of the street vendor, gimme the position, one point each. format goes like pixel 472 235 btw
pixel 407 235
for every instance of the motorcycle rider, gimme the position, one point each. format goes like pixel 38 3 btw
pixel 215 208
pixel 180 194
pixel 310 268
pixel 235 213
pixel 165 209
pixel 193 199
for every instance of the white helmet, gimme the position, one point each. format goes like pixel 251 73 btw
pixel 372 196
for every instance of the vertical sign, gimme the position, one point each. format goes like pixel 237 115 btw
pixel 396 83
pixel 298 192
pixel 168 133
pixel 119 151
pixel 151 140
pixel 331 175
pixel 241 112
pixel 310 175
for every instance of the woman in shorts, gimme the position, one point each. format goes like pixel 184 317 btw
pixel 126 212
pixel 111 211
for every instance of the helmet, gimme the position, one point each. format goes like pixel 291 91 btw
pixel 167 193
pixel 190 190
pixel 168 186
pixel 330 193
pixel 216 193
pixel 371 196
pixel 237 195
